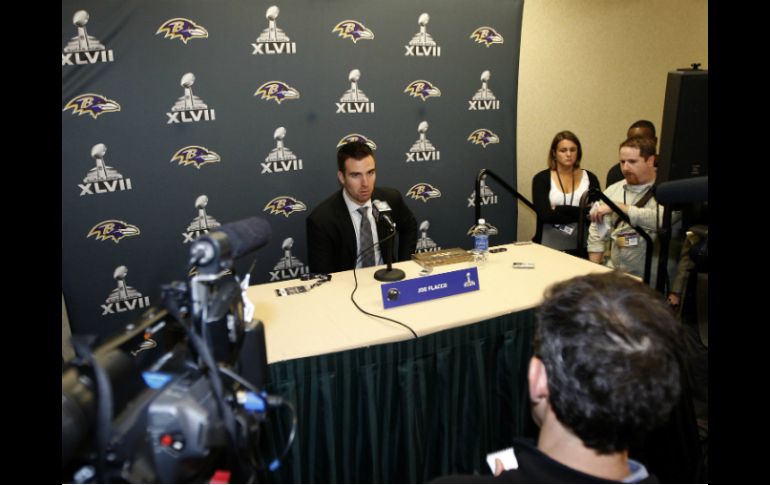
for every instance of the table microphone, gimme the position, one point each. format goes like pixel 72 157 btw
pixel 381 210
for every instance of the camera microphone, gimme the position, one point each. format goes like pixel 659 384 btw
pixel 230 241
pixel 694 189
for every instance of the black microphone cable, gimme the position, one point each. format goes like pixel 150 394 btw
pixel 272 401
pixel 356 288
pixel 209 368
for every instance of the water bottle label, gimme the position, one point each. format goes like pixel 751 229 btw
pixel 481 243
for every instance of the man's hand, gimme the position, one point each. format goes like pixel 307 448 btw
pixel 599 211
pixel 499 468
pixel 596 257
pixel 674 299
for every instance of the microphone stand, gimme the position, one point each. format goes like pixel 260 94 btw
pixel 485 172
pixel 390 273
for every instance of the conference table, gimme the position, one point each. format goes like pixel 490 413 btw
pixel 324 320
pixel 377 405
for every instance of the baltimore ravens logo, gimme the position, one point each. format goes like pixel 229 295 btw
pixel 92 104
pixel 486 36
pixel 195 155
pixel 356 137
pixel 423 192
pixel 483 137
pixel 183 29
pixel 283 204
pixel 353 30
pixel 113 229
pixel 422 89
pixel 277 90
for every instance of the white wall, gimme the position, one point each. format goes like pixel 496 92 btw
pixel 594 67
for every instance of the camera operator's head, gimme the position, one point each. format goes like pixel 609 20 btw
pixel 606 364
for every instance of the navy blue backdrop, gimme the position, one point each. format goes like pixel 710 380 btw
pixel 178 116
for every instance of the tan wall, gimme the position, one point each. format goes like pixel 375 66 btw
pixel 594 67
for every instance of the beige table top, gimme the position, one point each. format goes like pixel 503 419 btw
pixel 324 320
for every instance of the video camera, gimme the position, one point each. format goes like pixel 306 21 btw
pixel 178 396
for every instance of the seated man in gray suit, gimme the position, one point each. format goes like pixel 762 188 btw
pixel 343 225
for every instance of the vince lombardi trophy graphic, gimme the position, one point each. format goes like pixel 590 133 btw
pixel 82 42
pixel 123 292
pixel 102 172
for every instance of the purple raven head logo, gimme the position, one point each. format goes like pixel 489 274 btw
pixel 486 36
pixel 195 155
pixel 277 90
pixel 114 230
pixel 92 104
pixel 183 29
pixel 422 89
pixel 423 192
pixel 357 137
pixel 353 30
pixel 483 137
pixel 285 205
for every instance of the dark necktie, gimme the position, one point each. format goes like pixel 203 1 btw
pixel 366 242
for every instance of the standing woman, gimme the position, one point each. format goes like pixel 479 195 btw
pixel 557 191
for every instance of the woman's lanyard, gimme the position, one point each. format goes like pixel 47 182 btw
pixel 572 195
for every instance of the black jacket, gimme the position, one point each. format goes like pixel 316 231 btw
pixel 562 214
pixel 331 239
pixel 534 467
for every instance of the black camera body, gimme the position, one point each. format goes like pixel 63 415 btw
pixel 172 398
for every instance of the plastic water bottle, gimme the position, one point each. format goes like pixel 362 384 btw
pixel 480 242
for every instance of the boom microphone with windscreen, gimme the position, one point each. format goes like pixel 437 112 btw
pixel 216 250
pixel 683 191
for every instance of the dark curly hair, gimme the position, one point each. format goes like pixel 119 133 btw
pixel 610 348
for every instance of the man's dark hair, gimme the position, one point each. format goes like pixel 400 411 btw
pixel 610 349
pixel 646 124
pixel 354 149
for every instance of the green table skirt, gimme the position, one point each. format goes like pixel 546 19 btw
pixel 404 412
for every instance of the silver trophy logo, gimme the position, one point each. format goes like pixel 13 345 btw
pixel 422 44
pixel 124 297
pixel 188 106
pixel 354 100
pixel 102 178
pixel 289 266
pixel 484 99
pixel 84 48
pixel 273 40
pixel 201 224
pixel 422 150
pixel 280 158
pixel 468 281
pixel 487 196
pixel 424 243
